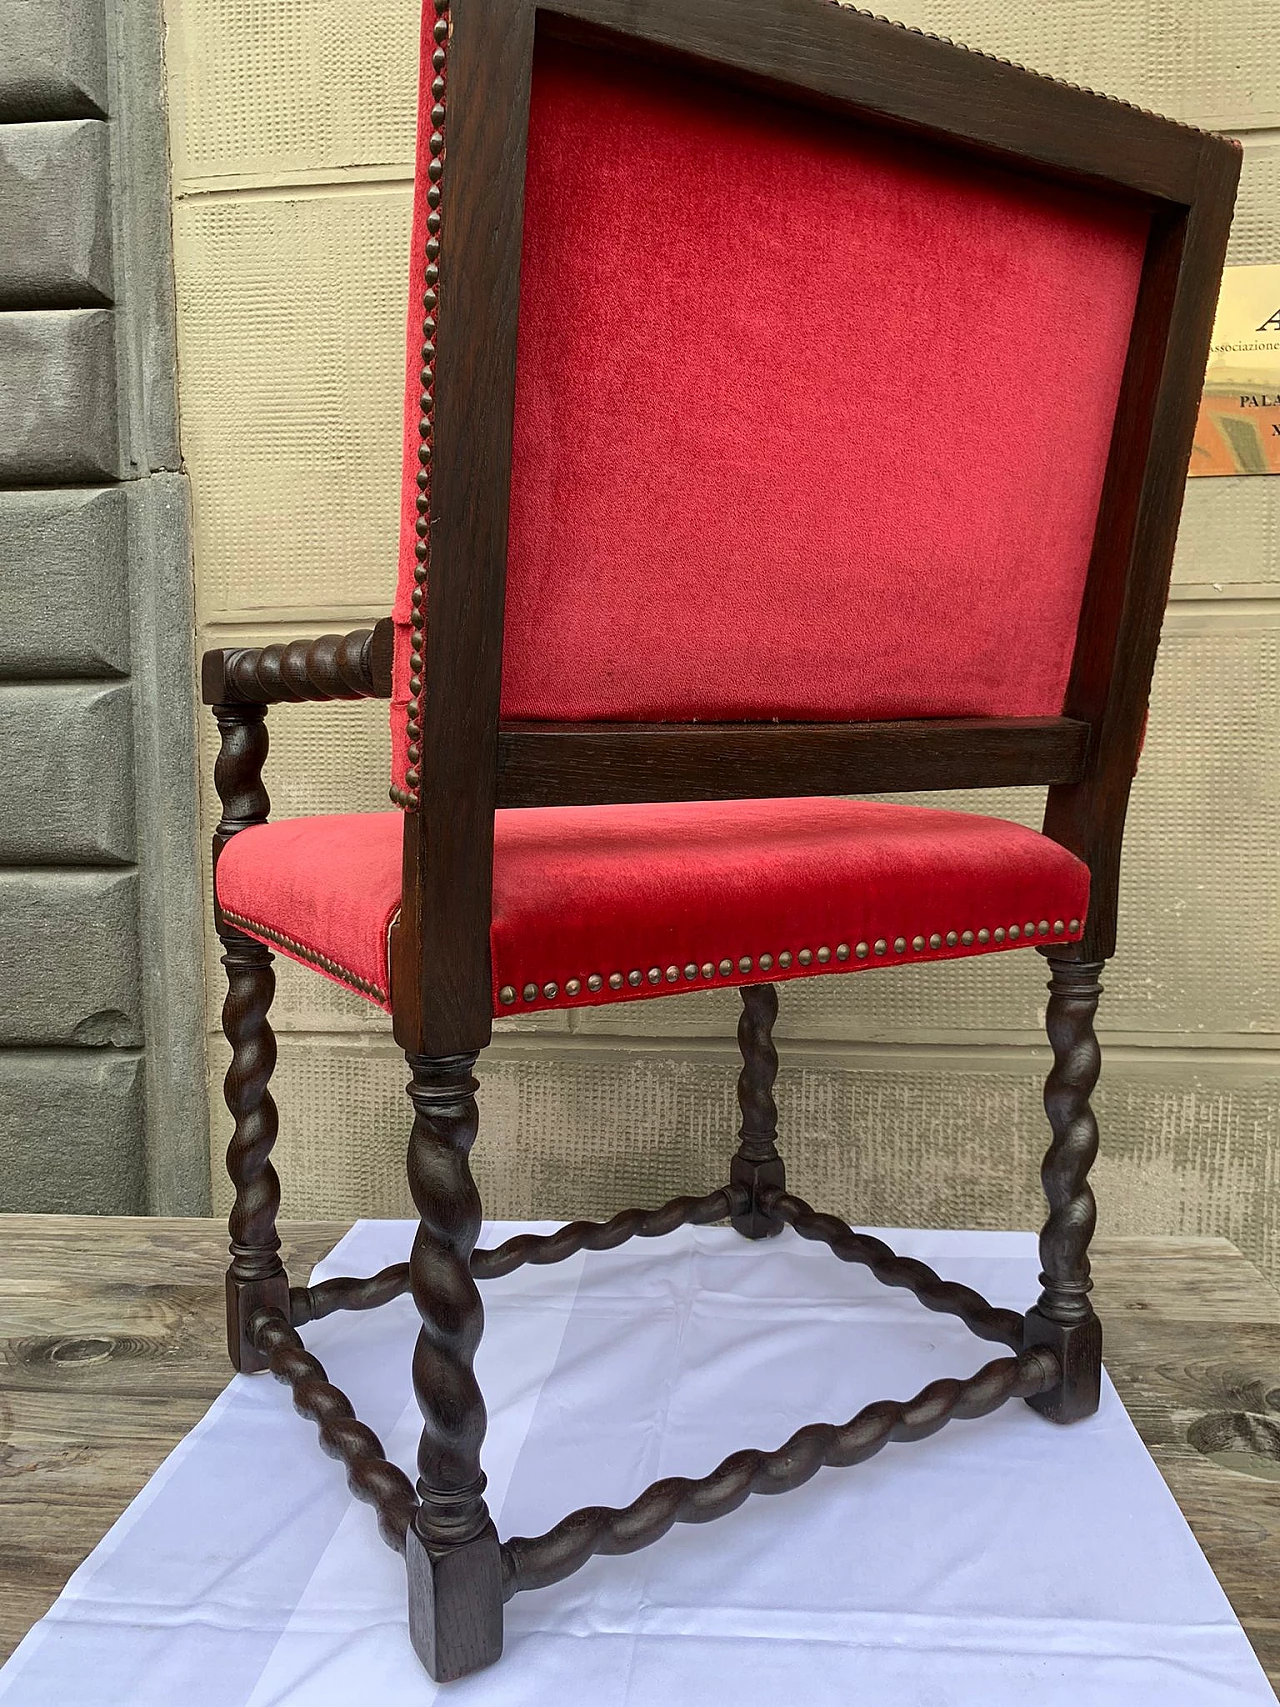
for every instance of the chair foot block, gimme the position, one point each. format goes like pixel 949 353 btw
pixel 1078 1348
pixel 755 1179
pixel 245 1298
pixel 455 1603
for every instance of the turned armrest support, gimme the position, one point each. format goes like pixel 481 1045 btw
pixel 335 666
pixel 241 682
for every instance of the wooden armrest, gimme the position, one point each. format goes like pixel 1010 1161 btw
pixel 336 666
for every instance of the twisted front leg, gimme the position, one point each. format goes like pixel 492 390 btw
pixel 455 1569
pixel 256 1279
pixel 757 1167
pixel 1063 1318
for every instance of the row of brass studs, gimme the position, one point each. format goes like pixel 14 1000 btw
pixel 784 961
pixel 408 796
pixel 301 952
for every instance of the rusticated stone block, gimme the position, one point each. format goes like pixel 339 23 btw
pixel 71 1132
pixel 66 774
pixel 55 215
pixel 64 570
pixel 58 422
pixel 54 64
pixel 69 958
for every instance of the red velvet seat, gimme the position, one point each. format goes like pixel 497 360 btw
pixel 595 904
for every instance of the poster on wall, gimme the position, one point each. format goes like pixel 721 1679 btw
pixel 1238 431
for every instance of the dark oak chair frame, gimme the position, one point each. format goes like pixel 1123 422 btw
pixel 815 54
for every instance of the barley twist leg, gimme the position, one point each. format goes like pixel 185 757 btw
pixel 455 1569
pixel 1063 1318
pixel 256 1278
pixel 757 1167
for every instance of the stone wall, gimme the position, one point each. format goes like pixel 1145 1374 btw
pixel 101 1049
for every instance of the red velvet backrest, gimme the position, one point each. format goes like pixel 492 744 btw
pixel 811 421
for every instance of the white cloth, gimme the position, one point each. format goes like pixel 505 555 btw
pixel 1006 1562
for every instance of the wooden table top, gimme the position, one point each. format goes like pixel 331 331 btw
pixel 111 1349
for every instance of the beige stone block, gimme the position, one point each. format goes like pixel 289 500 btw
pixel 1213 63
pixel 316 90
pixel 1199 944
pixel 1255 226
pixel 907 1137
pixel 291 316
pixel 258 92
pixel 1229 541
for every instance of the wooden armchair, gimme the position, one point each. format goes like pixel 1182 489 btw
pixel 798 407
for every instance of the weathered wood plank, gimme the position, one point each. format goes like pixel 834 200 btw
pixel 1215 1283
pixel 111 1349
pixel 35 1249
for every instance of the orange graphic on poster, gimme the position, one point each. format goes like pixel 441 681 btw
pixel 1238 430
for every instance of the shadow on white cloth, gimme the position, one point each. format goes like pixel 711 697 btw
pixel 1001 1563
